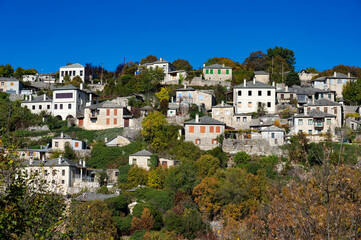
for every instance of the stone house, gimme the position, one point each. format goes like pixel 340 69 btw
pixel 46 77
pixel 171 74
pixel 274 135
pixel 314 122
pixel 141 159
pixel 261 76
pixel 203 132
pixel 10 85
pixel 201 98
pixel 72 71
pixel 164 162
pixel 306 76
pixel 223 112
pixel 334 82
pixel 326 106
pixel 119 141
pixel 30 78
pixel 247 97
pixel 217 72
pixel 61 175
pixel 106 115
pixel 38 104
pixel 58 143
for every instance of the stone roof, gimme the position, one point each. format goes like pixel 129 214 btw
pixel 350 109
pixel 89 196
pixel 339 75
pixel 256 84
pixel 260 73
pixel 105 104
pixel 314 113
pixel 307 90
pixel 324 102
pixel 66 136
pixel 185 89
pixel 75 65
pixel 67 87
pixel 222 105
pixel 216 66
pixel 39 99
pixel 8 79
pixel 205 120
pixel 272 129
pixel 156 62
pixel 142 153
pixel 60 161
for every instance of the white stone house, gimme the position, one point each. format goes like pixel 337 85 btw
pixel 274 135
pixel 141 159
pixel 38 104
pixel 69 101
pixel 60 175
pixel 58 143
pixel 334 82
pixel 261 76
pixel 191 96
pixel 72 71
pixel 46 77
pixel 30 78
pixel 203 132
pixel 171 74
pixel 326 106
pixel 10 85
pixel 164 162
pixel 247 97
pixel 217 72
pixel 106 115
pixel 119 141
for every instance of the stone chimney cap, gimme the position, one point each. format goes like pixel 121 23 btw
pixel 197 118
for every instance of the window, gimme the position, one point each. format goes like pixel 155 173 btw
pixel 239 93
pixel 61 106
pixel 214 141
pixel 189 95
pixel 191 129
pixel 219 71
pixel 115 112
pixel 249 104
pixel 108 112
pixel 329 96
pixel 62 181
pixel 228 112
pixel 93 120
pixel 291 96
pixel 259 93
pixel 310 122
pixel 238 119
pixel 69 73
pixel 134 161
pixel 318 108
pixel 310 132
pixel 108 121
pixel 56 144
pixel 115 121
pixel 268 93
pixel 339 81
pixel 328 121
pixel 216 112
pixel 325 110
pixel 259 104
pixel 76 144
pixel 62 73
pixel 40 107
pixel 227 71
pixel 269 104
pixel 211 71
pixel 73 73
pixel 63 172
pixel 81 73
pixel 69 106
pixel 53 181
pixel 33 107
pixel 335 110
pixel 272 135
pixel 207 71
pixel 211 129
pixel 244 119
pixel 12 84
pixel 218 129
pixel 46 172
pixel 116 174
pixel 56 106
pixel 48 106
pixel 202 129
pixel 282 96
pixel 300 131
pixel 300 122
pixel 198 141
pixel 64 95
pixel 239 104
pixel 249 93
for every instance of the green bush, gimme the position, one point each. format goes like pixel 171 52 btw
pixel 117 205
pixel 103 190
pixel 123 174
pixel 123 224
pixel 242 158
pixel 138 235
pixel 157 215
pixel 162 199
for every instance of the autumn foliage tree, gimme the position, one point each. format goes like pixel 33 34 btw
pixel 181 64
pixel 146 221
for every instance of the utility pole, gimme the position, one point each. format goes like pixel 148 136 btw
pixel 272 68
pixel 282 73
pixel 101 77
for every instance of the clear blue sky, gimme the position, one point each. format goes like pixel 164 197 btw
pixel 48 34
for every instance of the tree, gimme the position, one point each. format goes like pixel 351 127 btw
pixel 76 81
pixel 148 59
pixel 278 70
pixel 145 222
pixel 207 165
pixel 256 61
pixel 182 178
pixel 156 177
pixel 311 70
pixel 69 152
pixel 292 78
pixel 236 66
pixel 242 158
pixel 352 92
pixel 137 176
pixel 261 109
pixel 286 54
pixel 181 64
pixel 6 70
pixel 205 196
pixel 163 94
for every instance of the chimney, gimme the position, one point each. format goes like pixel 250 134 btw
pixel 172 99
pixel 185 86
pixel 197 118
pixel 31 161
pixel 273 84
pixel 244 82
pixel 223 64
pixel 83 163
pixel 160 59
pixel 254 80
pixel 62 135
pixel 334 74
pixel 286 88
pixel 204 65
pixel 222 104
pixel 305 110
pixel 60 159
pixel 81 86
pixel 44 97
pixel 348 74
pixel 105 140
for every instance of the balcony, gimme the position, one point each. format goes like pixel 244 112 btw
pixel 93 115
pixel 318 124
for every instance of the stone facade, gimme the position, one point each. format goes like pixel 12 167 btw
pixel 58 143
pixel 189 95
pixel 261 76
pixel 250 146
pixel 326 106
pixel 72 71
pixel 334 82
pixel 217 72
pixel 119 141
pixel 141 159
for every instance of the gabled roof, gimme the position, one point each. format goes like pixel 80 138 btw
pixel 54 162
pixel 339 75
pixel 66 136
pixel 89 196
pixel 324 102
pixel 222 105
pixel 185 89
pixel 217 66
pixel 256 84
pixel 314 113
pixel 205 120
pixel 75 65
pixel 39 99
pixel 272 129
pixel 8 79
pixel 67 87
pixel 142 153
pixel 260 73
pixel 156 62
pixel 105 104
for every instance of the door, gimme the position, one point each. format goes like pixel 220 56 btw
pixel 81 121
pixel 126 122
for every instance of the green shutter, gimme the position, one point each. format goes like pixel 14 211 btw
pixel 227 72
pixel 207 71
pixel 219 71
pixel 211 71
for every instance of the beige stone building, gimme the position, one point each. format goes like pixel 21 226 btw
pixel 326 106
pixel 191 96
pixel 141 159
pixel 217 72
pixel 106 115
pixel 334 82
pixel 58 143
pixel 261 76
pixel 203 132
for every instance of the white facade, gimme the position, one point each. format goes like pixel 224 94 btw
pixel 72 71
pixel 38 104
pixel 29 78
pixel 249 95
pixel 171 74
pixel 58 143
pixel 192 96
pixel 10 85
pixel 141 159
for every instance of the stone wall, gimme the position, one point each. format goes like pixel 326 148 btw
pixel 96 87
pixel 42 85
pixel 15 97
pixel 198 81
pixel 250 146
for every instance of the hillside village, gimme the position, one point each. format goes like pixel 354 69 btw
pixel 166 137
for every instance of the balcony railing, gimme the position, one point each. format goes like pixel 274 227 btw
pixel 318 124
pixel 95 115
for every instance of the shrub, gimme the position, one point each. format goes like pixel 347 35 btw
pixel 162 199
pixel 242 158
pixel 117 205
pixel 157 215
